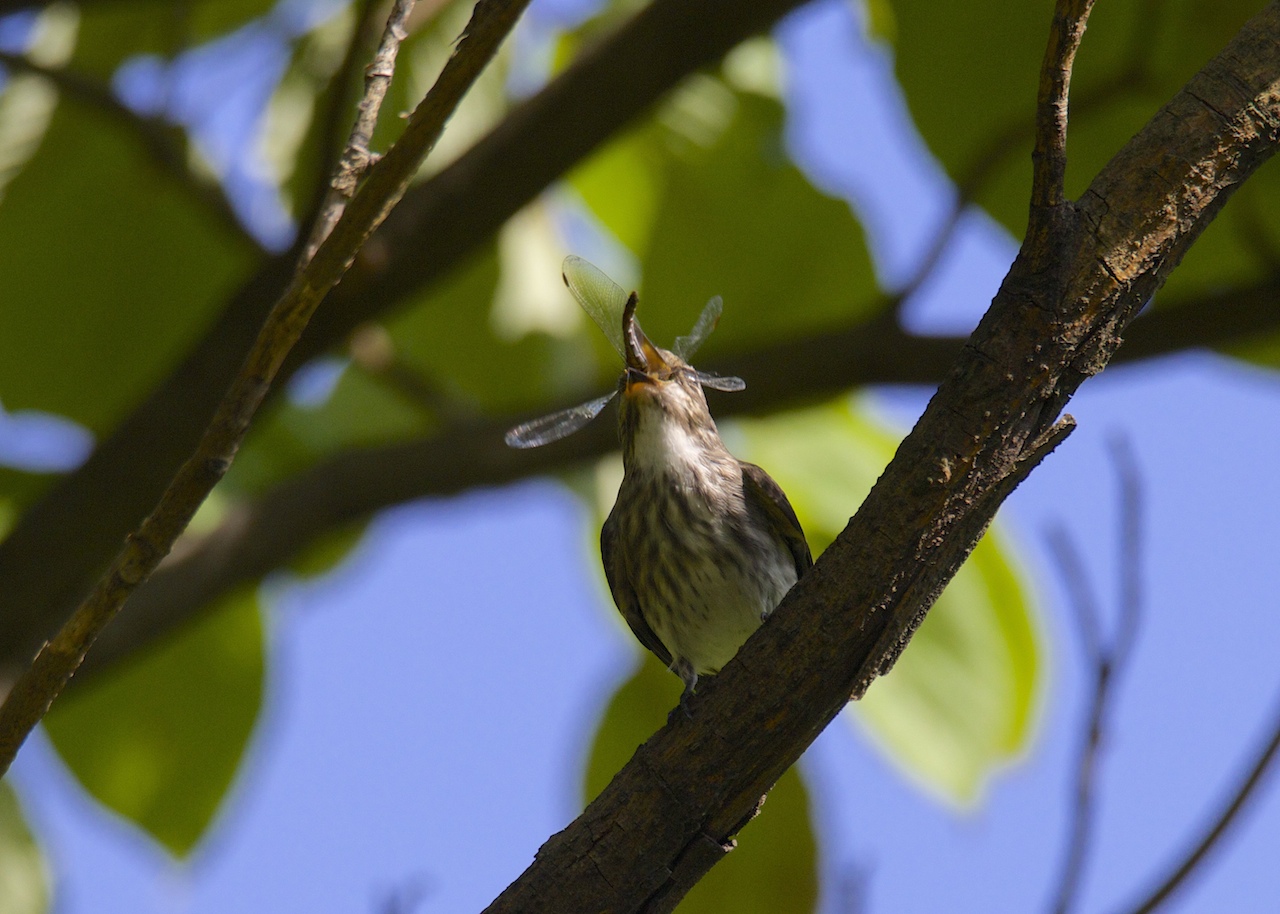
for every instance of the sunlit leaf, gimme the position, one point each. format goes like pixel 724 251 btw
pixel 24 879
pixel 960 702
pixel 1134 57
pixel 159 739
pixel 774 868
pixel 718 232
pixel 109 271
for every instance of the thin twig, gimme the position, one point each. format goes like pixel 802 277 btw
pixel 332 119
pixel 1215 828
pixel 1084 604
pixel 57 661
pixel 1049 156
pixel 1131 538
pixel 1106 660
pixel 356 158
pixel 154 135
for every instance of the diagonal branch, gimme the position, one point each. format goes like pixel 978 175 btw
pixel 671 813
pixel 57 661
pixel 156 138
pixel 331 120
pixel 356 158
pixel 439 222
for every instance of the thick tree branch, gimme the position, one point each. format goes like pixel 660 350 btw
pixel 468 451
pixel 157 138
pixel 57 661
pixel 43 575
pixel 670 814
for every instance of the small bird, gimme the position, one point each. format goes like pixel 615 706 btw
pixel 700 547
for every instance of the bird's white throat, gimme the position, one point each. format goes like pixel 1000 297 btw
pixel 663 445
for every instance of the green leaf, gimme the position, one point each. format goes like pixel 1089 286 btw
pixel 110 272
pixel 113 32
pixel 718 231
pixel 1130 63
pixel 24 879
pixel 699 194
pixel 159 739
pixel 774 868
pixel 961 701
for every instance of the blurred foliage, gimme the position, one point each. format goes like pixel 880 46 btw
pixel 774 869
pixel 159 739
pixel 115 32
pixel 1135 56
pixel 112 270
pixel 960 701
pixel 700 194
pixel 24 881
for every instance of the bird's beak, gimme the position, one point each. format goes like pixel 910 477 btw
pixel 642 356
pixel 644 361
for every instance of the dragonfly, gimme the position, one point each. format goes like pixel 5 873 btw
pixel 613 311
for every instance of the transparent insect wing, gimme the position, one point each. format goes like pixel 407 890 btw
pixel 547 429
pixel 719 382
pixel 686 346
pixel 601 297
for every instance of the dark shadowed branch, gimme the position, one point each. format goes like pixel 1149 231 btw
pixel 57 661
pixel 356 158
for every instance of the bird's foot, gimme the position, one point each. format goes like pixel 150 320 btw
pixel 685 671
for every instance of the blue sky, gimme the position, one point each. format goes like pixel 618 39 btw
pixel 442 757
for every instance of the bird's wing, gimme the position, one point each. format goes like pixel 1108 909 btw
pixel 624 594
pixel 761 489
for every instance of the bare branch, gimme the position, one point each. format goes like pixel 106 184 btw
pixel 57 661
pixel 1216 827
pixel 1050 153
pixel 156 137
pixel 356 158
pixel 1107 662
pixel 332 119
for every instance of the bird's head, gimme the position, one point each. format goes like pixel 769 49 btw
pixel 662 406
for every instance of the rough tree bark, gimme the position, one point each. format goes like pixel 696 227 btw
pixel 1085 270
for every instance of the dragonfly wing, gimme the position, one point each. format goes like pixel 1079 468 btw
pixel 601 297
pixel 686 346
pixel 717 382
pixel 559 425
